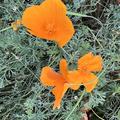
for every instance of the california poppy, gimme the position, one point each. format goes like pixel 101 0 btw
pixel 49 21
pixel 60 81
pixel 72 79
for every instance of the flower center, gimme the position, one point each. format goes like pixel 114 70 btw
pixel 50 28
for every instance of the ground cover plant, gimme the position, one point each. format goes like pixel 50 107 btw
pixel 23 56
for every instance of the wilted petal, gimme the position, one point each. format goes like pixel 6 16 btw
pixel 15 25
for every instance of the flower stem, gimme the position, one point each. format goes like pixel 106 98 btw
pixel 83 15
pixel 97 115
pixel 7 28
pixel 76 105
pixel 76 14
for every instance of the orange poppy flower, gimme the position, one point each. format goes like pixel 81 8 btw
pixel 60 81
pixel 49 21
pixel 86 65
pixel 72 79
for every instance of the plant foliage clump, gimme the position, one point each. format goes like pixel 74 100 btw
pixel 22 97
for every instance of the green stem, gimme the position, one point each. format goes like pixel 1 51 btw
pixel 76 105
pixel 7 28
pixel 82 15
pixel 97 115
pixel 63 50
pixel 76 14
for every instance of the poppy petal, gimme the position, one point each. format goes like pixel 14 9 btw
pixel 74 79
pixel 90 63
pixel 95 64
pixel 59 92
pixel 89 81
pixel 74 87
pixel 84 60
pixel 63 67
pixel 65 31
pixel 49 77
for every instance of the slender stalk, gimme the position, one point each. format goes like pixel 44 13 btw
pixel 97 115
pixel 82 15
pixel 63 50
pixel 67 118
pixel 76 14
pixel 7 28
